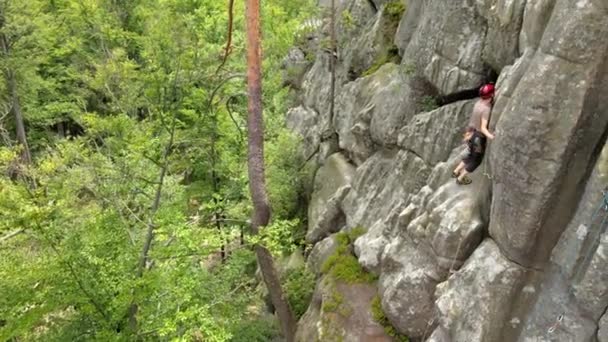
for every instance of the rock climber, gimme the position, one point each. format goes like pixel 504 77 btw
pixel 476 135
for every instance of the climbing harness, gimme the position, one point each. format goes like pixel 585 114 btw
pixel 601 228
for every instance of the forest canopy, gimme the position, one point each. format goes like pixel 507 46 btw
pixel 122 117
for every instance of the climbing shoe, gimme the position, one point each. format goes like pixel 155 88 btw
pixel 464 181
pixel 455 175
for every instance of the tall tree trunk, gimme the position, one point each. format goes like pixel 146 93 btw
pixel 255 159
pixel 11 85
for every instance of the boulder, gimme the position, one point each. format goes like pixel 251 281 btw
pixel 379 193
pixel 473 304
pixel 329 189
pixel 407 283
pixel 581 238
pixel 320 252
pixel 557 127
pixel 330 219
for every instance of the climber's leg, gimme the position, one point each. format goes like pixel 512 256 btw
pixel 471 162
pixel 458 169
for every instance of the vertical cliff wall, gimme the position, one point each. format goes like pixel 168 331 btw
pixel 520 254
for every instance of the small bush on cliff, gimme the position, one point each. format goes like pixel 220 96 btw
pixel 395 10
pixel 428 103
pixel 391 56
pixel 299 285
pixel 348 20
pixel 379 316
pixel 343 265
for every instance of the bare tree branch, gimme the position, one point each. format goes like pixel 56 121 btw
pixel 229 109
pixel 228 48
pixel 11 235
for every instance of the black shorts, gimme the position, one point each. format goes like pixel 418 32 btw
pixel 477 149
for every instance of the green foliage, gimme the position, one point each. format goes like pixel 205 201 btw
pixel 391 56
pixel 261 330
pixel 333 302
pixel 379 316
pixel 347 19
pixel 342 264
pixel 101 84
pixel 428 103
pixel 299 284
pixel 394 10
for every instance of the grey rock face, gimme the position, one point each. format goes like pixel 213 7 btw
pixel 471 304
pixel 379 193
pixel 555 316
pixel 433 135
pixel 602 334
pixel 323 210
pixel 537 177
pixel 504 20
pixel 305 122
pixel 536 17
pixel 447 44
pixel 316 89
pixel 408 24
pixel 574 288
pixel 406 286
pixel 371 110
pixel 320 252
pixel 341 312
pixel 331 218
pixel 591 291
pixel 543 263
pixel 371 46
pixel 294 67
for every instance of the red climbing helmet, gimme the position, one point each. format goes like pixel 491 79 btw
pixel 487 91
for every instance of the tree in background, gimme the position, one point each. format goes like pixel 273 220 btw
pixel 9 36
pixel 255 161
pixel 115 94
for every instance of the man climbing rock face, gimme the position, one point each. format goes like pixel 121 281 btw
pixel 476 135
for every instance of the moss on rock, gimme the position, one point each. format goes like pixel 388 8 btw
pixel 379 316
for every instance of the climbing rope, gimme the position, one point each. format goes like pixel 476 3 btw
pixel 601 228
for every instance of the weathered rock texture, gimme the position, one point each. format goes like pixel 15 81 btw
pixel 341 312
pixel 520 254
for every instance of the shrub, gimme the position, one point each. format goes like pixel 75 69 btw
pixel 299 285
pixel 259 330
